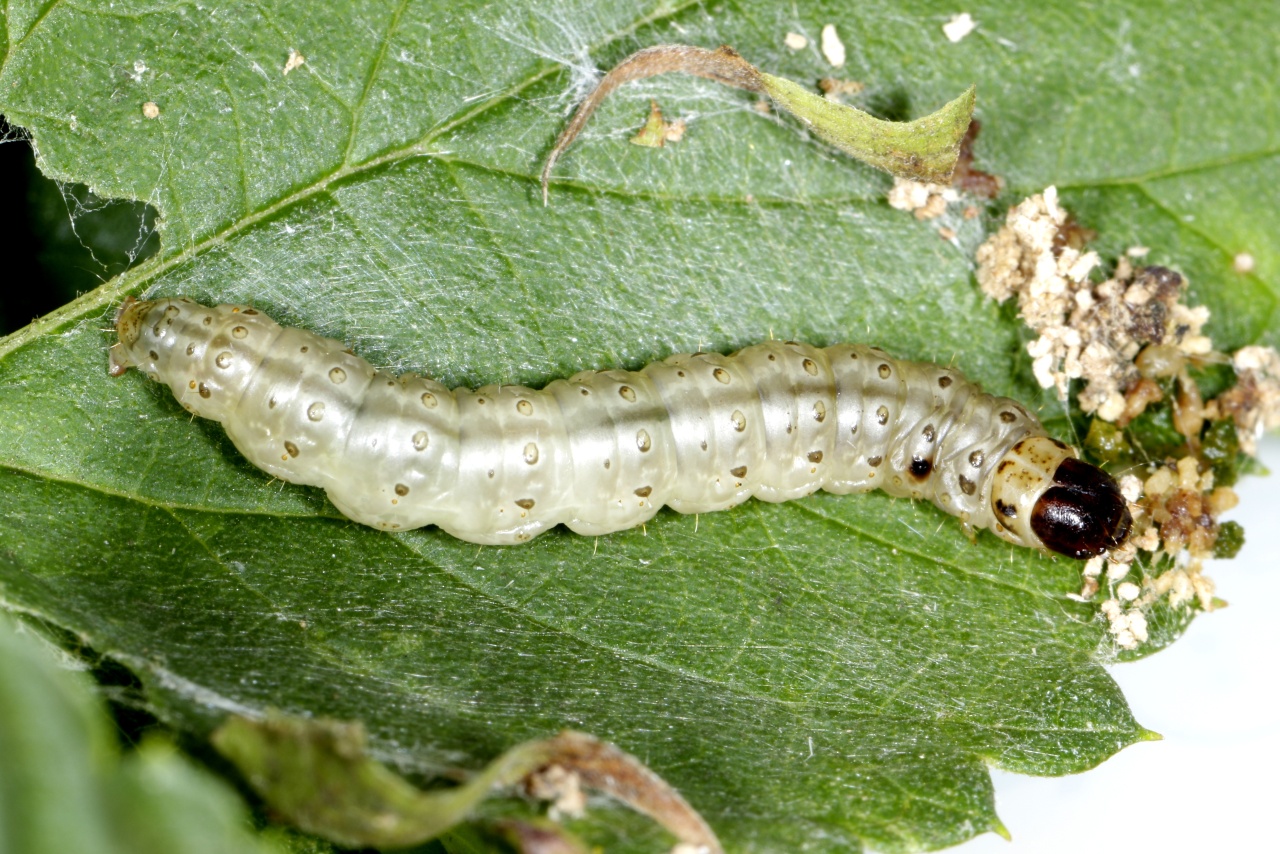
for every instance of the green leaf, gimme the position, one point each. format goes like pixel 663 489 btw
pixel 64 786
pixel 829 671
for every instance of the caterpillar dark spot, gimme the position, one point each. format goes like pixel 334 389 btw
pixel 403 453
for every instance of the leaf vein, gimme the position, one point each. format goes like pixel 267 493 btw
pixel 357 109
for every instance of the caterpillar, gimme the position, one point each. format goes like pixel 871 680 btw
pixel 604 450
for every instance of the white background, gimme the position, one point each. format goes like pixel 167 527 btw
pixel 1213 783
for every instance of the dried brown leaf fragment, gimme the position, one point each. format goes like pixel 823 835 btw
pixel 925 148
pixel 317 774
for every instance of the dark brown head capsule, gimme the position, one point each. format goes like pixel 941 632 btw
pixel 1083 514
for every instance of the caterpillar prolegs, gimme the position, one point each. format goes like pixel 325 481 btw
pixel 604 450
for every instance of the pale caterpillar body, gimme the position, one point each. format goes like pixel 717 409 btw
pixel 605 450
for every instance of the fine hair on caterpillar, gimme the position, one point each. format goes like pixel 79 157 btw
pixel 604 450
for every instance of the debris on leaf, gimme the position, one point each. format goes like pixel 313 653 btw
pixel 1184 502
pixel 1254 403
pixel 958 27
pixel 832 47
pixel 929 201
pixel 295 60
pixel 657 132
pixel 925 201
pixel 1170 413
pixel 1087 331
pixel 560 786
pixel 795 41
pixel 1127 625
pixel 833 89
pixel 605 768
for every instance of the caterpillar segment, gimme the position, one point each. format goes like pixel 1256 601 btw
pixel 604 450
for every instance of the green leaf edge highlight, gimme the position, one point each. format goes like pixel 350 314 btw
pixel 65 785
